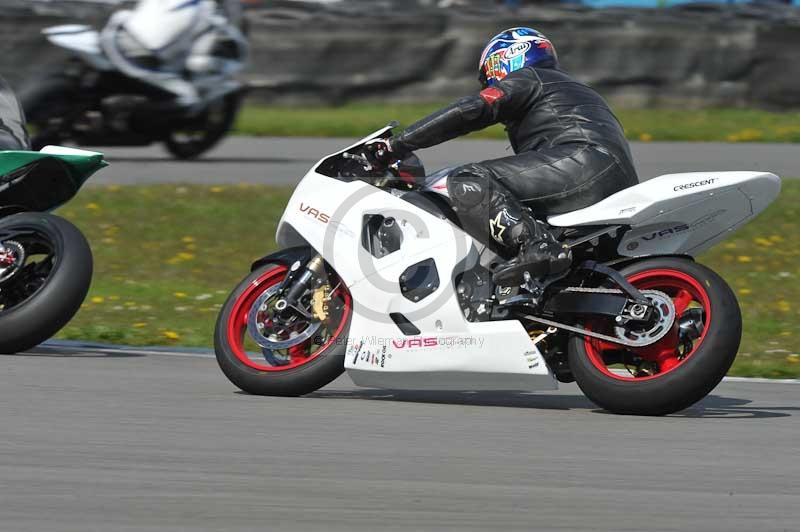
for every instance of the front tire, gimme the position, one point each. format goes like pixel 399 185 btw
pixel 44 295
pixel 682 367
pixel 302 368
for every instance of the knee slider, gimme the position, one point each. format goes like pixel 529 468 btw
pixel 469 186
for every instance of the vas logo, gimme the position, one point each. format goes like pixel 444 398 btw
pixel 700 222
pixel 672 231
pixel 311 211
pixel 415 342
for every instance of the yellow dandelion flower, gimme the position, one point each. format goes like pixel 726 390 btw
pixel 794 358
pixel 171 335
pixel 97 300
pixel 744 258
pixel 745 291
pixel 139 325
pixel 746 135
pixel 763 242
pixel 646 137
pixel 187 239
pixel 217 190
pixel 180 295
pixel 784 306
pixel 183 255
pixel 93 207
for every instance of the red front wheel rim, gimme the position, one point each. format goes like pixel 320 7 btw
pixel 298 355
pixel 672 351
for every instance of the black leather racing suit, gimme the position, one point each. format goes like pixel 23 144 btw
pixel 570 153
pixel 13 135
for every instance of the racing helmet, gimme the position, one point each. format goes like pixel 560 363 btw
pixel 512 50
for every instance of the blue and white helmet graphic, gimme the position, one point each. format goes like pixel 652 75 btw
pixel 512 50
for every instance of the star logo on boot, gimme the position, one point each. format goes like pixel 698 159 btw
pixel 497 228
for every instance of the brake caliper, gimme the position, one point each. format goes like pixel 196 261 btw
pixel 319 302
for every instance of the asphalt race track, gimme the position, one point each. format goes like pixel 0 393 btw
pixel 115 440
pixel 100 439
pixel 283 161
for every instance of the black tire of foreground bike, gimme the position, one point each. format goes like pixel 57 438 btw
pixel 691 379
pixel 213 134
pixel 42 99
pixel 324 368
pixel 55 303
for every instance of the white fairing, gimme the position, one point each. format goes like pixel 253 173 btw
pixel 63 150
pixel 83 40
pixel 156 24
pixel 450 353
pixel 680 213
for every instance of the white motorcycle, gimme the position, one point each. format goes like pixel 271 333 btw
pixel 378 279
pixel 162 72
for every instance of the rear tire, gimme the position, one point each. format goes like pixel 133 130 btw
pixel 52 305
pixel 258 378
pixel 687 380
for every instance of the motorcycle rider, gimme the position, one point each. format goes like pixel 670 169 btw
pixel 162 42
pixel 570 152
pixel 13 134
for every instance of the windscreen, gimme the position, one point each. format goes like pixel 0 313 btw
pixel 13 135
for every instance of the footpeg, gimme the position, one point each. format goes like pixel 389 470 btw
pixel 521 300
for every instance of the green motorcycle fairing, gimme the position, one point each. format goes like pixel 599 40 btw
pixel 45 180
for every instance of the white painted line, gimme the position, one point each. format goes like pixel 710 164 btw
pixel 761 380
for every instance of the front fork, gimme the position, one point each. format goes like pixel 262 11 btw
pixel 299 280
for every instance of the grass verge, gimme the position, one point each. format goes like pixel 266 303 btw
pixel 358 119
pixel 167 256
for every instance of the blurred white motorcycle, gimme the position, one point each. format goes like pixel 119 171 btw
pixel 162 72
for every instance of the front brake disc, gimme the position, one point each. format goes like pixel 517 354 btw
pixel 270 337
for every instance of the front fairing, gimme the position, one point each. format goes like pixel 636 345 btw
pixel 329 214
pixel 158 25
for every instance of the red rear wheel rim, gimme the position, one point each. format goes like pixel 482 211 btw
pixel 685 291
pixel 237 324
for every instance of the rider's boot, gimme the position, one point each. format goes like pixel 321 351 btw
pixel 540 255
